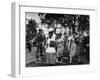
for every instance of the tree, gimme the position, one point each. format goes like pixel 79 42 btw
pixel 31 29
pixel 67 20
pixel 84 22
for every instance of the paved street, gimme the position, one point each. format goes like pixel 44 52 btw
pixel 31 61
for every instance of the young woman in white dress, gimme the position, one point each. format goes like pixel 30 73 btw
pixel 51 51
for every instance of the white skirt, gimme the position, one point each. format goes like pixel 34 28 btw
pixel 50 55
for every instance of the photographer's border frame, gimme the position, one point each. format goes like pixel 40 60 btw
pixel 18 57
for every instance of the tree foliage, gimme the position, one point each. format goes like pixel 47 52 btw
pixel 67 20
pixel 31 29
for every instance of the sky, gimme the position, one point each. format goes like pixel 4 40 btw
pixel 32 15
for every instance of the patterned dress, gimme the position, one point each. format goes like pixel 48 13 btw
pixel 73 49
pixel 60 47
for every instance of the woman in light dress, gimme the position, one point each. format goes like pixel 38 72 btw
pixel 51 51
pixel 72 47
pixel 60 48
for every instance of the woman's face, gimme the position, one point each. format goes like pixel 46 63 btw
pixel 50 34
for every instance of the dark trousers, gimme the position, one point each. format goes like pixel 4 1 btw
pixel 39 51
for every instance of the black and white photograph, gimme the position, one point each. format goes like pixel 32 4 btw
pixel 54 39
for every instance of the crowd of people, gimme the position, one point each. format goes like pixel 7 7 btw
pixel 61 45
